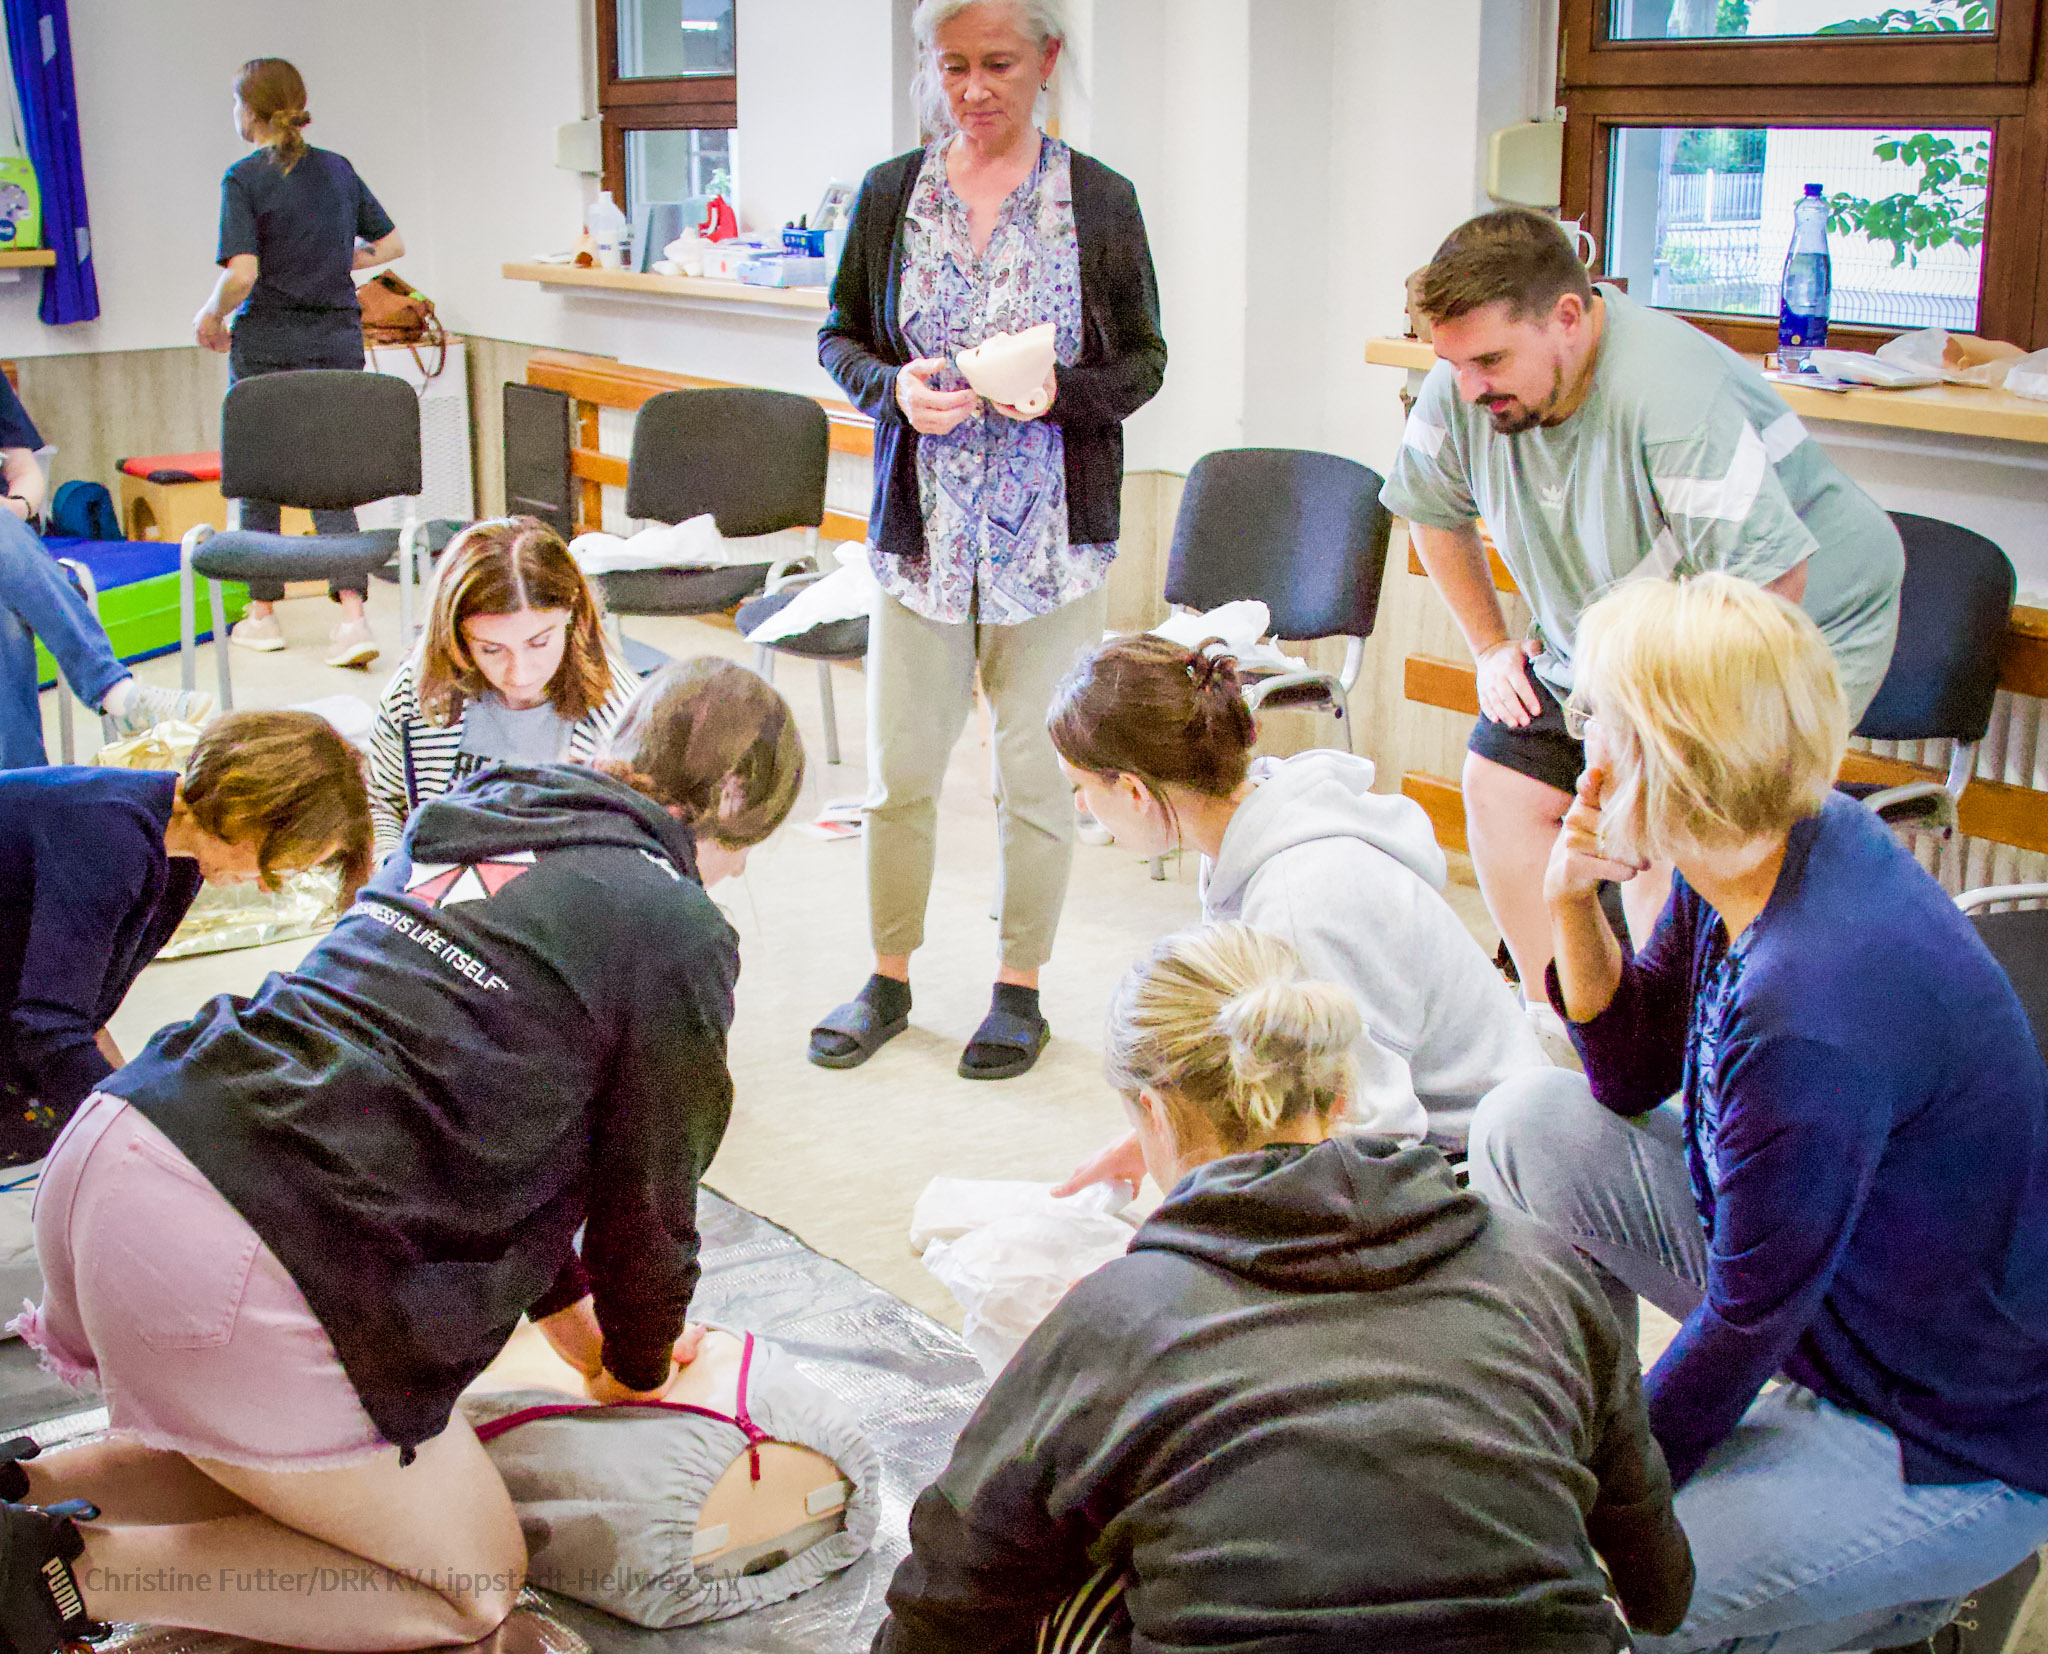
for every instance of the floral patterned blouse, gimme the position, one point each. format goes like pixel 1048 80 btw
pixel 993 491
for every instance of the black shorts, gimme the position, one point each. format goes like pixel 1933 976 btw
pixel 1540 749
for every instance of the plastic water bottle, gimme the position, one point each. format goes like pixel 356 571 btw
pixel 608 229
pixel 1808 285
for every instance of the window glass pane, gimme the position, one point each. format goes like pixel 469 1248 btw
pixel 663 38
pixel 1700 218
pixel 685 165
pixel 1778 19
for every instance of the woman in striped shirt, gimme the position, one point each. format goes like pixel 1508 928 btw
pixel 512 668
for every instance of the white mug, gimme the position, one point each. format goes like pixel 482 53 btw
pixel 1582 241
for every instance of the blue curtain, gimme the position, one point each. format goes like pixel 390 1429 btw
pixel 39 42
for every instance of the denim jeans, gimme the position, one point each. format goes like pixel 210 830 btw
pixel 38 600
pixel 1806 1535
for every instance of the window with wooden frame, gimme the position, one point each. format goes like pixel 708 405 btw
pixel 668 98
pixel 1692 127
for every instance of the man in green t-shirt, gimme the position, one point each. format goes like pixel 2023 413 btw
pixel 1602 441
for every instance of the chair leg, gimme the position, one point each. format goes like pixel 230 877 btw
pixel 764 661
pixel 188 666
pixel 831 712
pixel 1340 703
pixel 67 742
pixel 220 643
pixel 1159 868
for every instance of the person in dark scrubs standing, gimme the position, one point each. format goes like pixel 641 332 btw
pixel 295 222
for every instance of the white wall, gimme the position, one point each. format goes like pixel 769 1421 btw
pixel 154 92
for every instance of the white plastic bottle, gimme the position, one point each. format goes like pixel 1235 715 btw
pixel 608 229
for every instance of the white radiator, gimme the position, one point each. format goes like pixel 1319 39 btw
pixel 449 488
pixel 2014 750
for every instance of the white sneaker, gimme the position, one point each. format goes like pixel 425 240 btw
pixel 352 644
pixel 259 632
pixel 149 706
pixel 1550 1033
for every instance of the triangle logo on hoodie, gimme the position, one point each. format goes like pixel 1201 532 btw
pixel 444 884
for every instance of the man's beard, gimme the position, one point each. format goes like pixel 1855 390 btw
pixel 1506 423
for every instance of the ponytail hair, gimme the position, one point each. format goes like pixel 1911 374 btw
pixel 276 96
pixel 1144 706
pixel 1220 1024
pixel 716 744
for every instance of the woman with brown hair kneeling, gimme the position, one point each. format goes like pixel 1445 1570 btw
pixel 1329 1402
pixel 99 866
pixel 299 1224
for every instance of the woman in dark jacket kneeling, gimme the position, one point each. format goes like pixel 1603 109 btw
pixel 1330 1401
pixel 286 1236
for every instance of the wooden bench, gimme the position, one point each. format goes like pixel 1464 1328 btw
pixel 594 383
pixel 1995 811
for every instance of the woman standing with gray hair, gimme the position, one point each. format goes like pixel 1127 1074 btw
pixel 993 527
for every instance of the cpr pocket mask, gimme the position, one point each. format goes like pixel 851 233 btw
pixel 618 1506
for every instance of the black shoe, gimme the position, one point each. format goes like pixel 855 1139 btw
pixel 41 1610
pixel 13 1479
pixel 1991 1618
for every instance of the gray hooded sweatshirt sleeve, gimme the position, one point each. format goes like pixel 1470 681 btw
pixel 1352 879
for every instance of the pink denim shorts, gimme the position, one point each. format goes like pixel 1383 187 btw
pixel 157 1291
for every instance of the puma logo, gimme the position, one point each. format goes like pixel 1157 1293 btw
pixel 63 1589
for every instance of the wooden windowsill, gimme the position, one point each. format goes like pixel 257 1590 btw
pixel 1951 410
pixel 804 301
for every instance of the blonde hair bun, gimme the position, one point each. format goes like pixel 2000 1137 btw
pixel 1221 1023
pixel 1287 1036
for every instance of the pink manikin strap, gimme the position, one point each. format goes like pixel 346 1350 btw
pixel 740 1418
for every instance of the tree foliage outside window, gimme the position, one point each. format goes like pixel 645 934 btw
pixel 1935 17
pixel 1946 209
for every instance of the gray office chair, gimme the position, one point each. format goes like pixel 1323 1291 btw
pixel 754 459
pixel 836 640
pixel 1303 533
pixel 323 440
pixel 1954 606
pixel 2013 921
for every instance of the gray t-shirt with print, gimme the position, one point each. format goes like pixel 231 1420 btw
pixel 494 733
pixel 1681 459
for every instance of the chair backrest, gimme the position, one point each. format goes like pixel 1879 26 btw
pixel 1953 611
pixel 754 459
pixel 1303 533
pixel 324 439
pixel 538 426
pixel 2019 941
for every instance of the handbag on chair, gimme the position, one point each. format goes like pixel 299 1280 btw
pixel 397 313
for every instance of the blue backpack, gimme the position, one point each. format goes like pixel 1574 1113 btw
pixel 82 511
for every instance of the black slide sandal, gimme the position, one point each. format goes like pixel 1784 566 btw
pixel 860 1022
pixel 1015 1041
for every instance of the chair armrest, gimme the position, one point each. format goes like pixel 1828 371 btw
pixel 1893 800
pixel 1991 895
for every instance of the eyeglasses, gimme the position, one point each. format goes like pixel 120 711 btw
pixel 1576 720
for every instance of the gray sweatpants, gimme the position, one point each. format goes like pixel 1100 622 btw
pixel 920 691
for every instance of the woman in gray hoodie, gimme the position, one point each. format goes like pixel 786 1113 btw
pixel 1157 740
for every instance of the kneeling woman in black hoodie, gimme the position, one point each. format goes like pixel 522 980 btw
pixel 286 1236
pixel 1329 1401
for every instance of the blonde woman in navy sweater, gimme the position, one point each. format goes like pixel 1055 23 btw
pixel 1851 1192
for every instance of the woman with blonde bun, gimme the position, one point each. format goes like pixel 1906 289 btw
pixel 1329 1401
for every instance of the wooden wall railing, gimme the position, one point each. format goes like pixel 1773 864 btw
pixel 1993 810
pixel 597 382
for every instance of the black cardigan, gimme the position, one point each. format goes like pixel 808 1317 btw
pixel 1123 355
